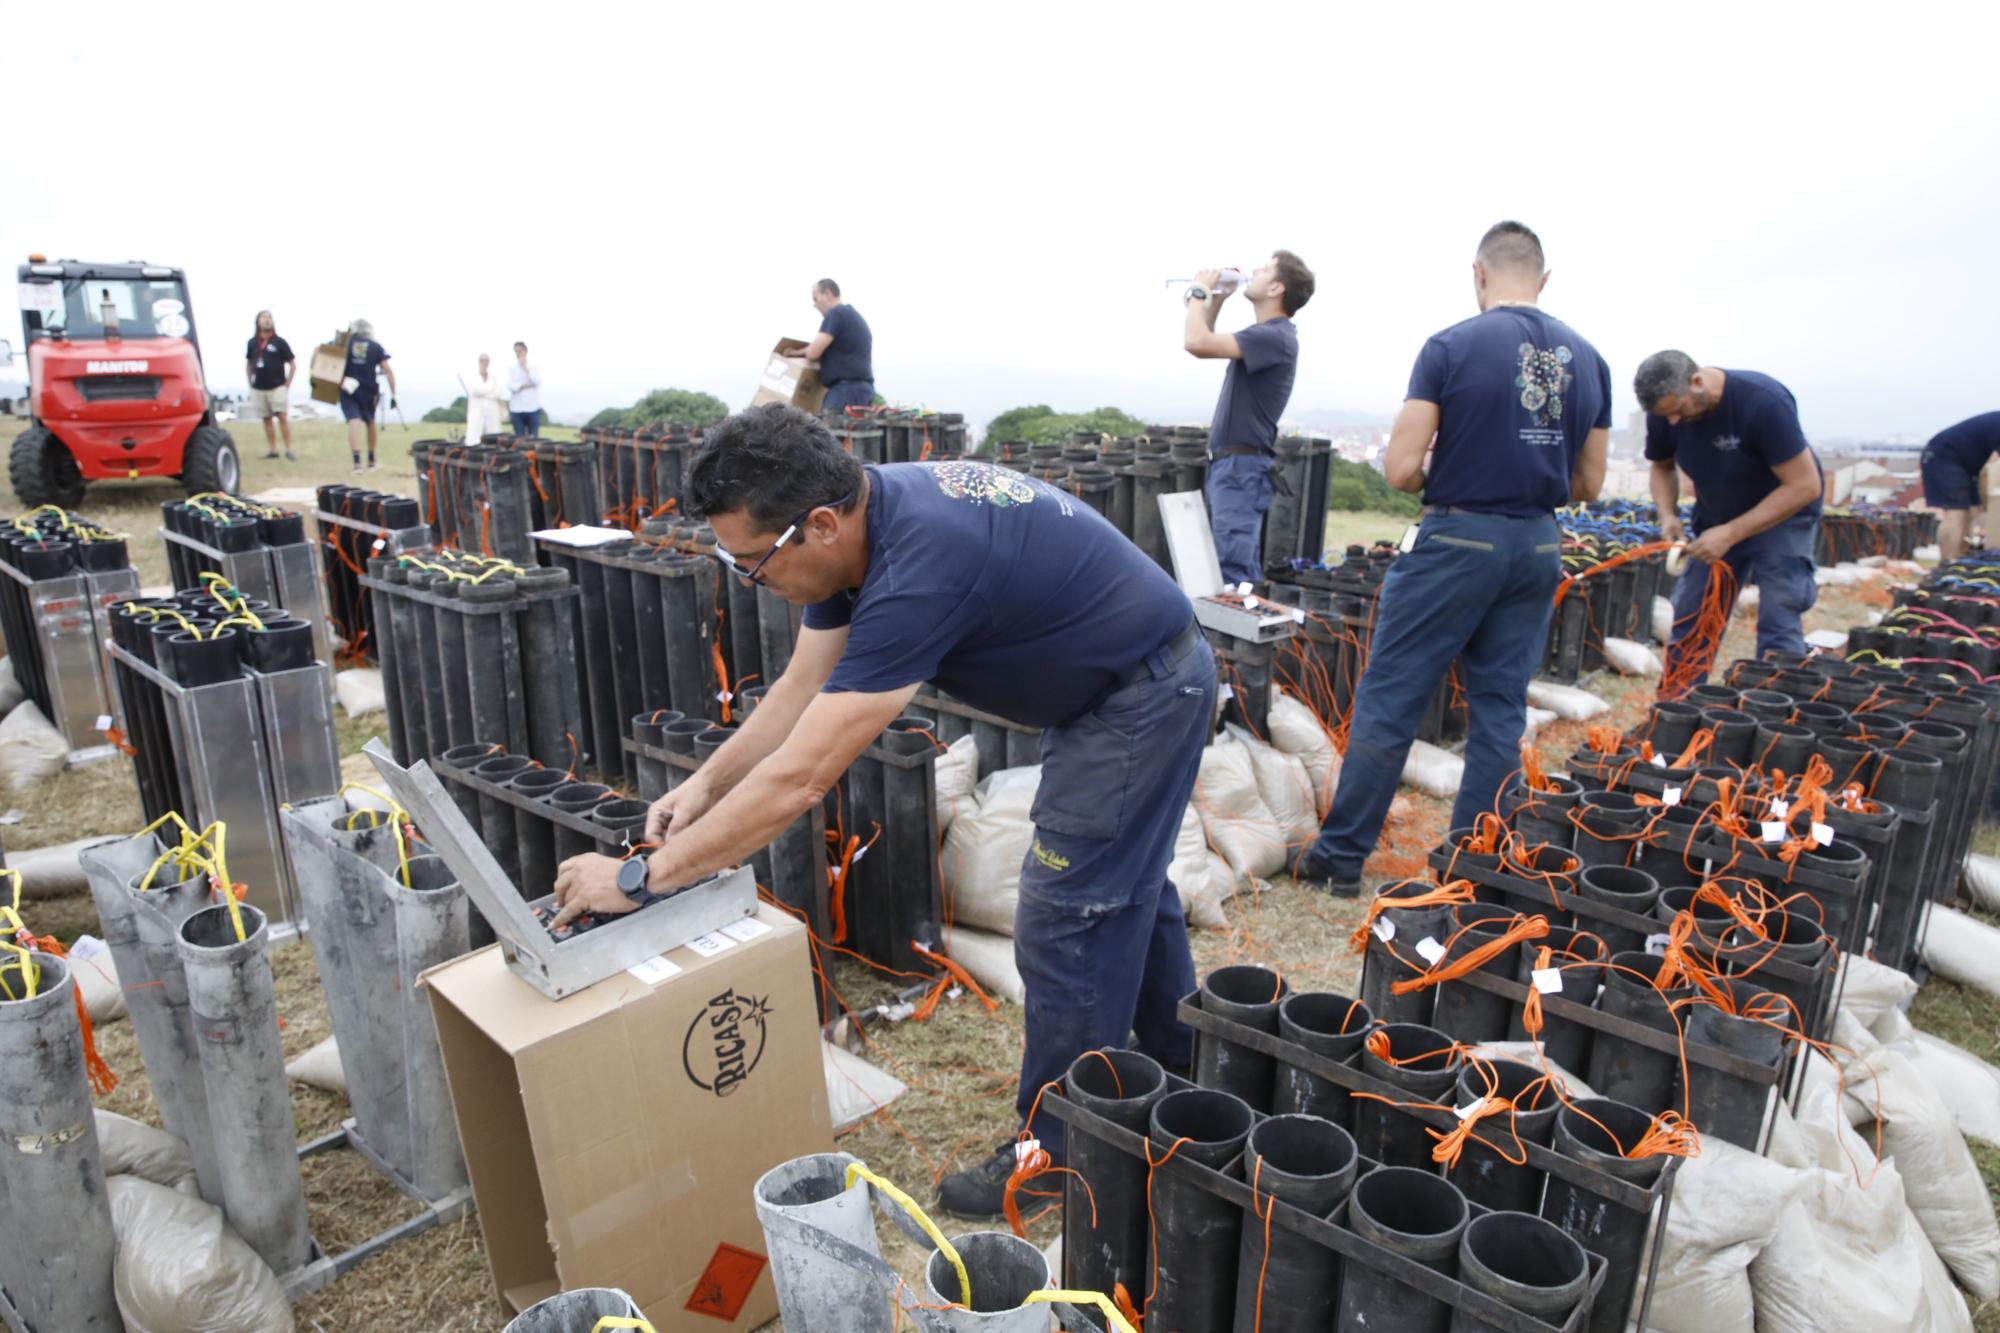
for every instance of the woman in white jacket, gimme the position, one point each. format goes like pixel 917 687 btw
pixel 485 402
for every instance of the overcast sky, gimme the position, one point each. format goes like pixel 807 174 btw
pixel 645 193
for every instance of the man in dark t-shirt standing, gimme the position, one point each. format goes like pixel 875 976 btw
pixel 269 363
pixel 1952 461
pixel 1514 409
pixel 1757 488
pixel 1243 435
pixel 844 348
pixel 361 387
pixel 1019 600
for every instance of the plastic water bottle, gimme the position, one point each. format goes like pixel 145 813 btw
pixel 1228 282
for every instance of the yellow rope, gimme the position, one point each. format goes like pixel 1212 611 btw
pixel 856 1171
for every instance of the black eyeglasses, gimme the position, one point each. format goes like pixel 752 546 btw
pixel 754 574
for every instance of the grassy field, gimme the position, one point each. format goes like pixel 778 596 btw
pixel 960 1065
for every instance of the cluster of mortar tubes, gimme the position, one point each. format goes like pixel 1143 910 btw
pixel 205 1013
pixel 463 660
pixel 477 497
pixel 373 936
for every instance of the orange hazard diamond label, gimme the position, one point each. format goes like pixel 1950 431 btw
pixel 726 1283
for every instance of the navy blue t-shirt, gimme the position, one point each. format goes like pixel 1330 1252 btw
pixel 1729 453
pixel 1517 390
pixel 1006 592
pixel 267 364
pixel 851 355
pixel 364 355
pixel 1969 444
pixel 1257 387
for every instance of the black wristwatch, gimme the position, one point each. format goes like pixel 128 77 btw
pixel 1197 292
pixel 632 876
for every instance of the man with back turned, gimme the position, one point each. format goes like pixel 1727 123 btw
pixel 1514 408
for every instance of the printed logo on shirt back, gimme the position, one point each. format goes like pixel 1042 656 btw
pixel 1543 379
pixel 1728 444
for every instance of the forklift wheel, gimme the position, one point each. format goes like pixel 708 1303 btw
pixel 43 472
pixel 210 463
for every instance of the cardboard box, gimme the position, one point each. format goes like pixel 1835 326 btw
pixel 328 365
pixel 613 1137
pixel 788 379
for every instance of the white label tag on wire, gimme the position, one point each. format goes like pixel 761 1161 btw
pixel 1025 1150
pixel 1385 929
pixel 1470 1109
pixel 1780 808
pixel 1671 796
pixel 1774 831
pixel 1430 949
pixel 380 542
pixel 1659 761
pixel 1658 943
pixel 1548 980
pixel 1823 834
pixel 724 696
pixel 104 721
pixel 1249 603
pixel 1228 693
pixel 1298 615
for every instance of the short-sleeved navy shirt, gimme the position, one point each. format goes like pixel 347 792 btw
pixel 267 364
pixel 1969 444
pixel 851 355
pixel 1729 453
pixel 1256 387
pixel 1007 593
pixel 364 355
pixel 1517 391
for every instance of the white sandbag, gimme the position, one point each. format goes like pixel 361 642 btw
pixel 989 957
pixel 1873 561
pixel 985 846
pixel 53 872
pixel 1526 1052
pixel 1663 620
pixel 1727 1202
pixel 181 1270
pixel 1631 659
pixel 1961 949
pixel 1939 1176
pixel 956 774
pixel 856 1089
pixel 31 750
pixel 319 1067
pixel 96 973
pixel 1239 826
pixel 1297 732
pixel 1748 598
pixel 1286 787
pixel 1871 988
pixel 11 693
pixel 1567 702
pixel 359 690
pixel 1203 882
pixel 1433 771
pixel 1981 880
pixel 1537 719
pixel 131 1148
pixel 1966 1084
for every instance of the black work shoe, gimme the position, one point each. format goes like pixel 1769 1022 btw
pixel 1309 872
pixel 979 1193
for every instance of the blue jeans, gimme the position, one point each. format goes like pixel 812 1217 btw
pixel 1780 562
pixel 1098 932
pixel 846 394
pixel 1478 589
pixel 527 424
pixel 1239 493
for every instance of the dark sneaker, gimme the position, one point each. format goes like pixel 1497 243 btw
pixel 979 1193
pixel 1312 873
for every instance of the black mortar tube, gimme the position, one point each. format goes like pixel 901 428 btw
pixel 1325 1024
pixel 1250 996
pixel 1197 1235
pixel 1121 1086
pixel 1286 1283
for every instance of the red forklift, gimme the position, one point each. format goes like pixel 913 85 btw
pixel 115 385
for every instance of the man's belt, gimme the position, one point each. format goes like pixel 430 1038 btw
pixel 1243 451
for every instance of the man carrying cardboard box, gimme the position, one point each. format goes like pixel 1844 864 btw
pixel 844 348
pixel 1013 597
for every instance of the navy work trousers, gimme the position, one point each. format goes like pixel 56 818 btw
pixel 846 394
pixel 1780 562
pixel 1478 589
pixel 1239 494
pixel 527 425
pixel 1098 932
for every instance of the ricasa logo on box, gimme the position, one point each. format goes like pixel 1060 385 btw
pixel 725 1041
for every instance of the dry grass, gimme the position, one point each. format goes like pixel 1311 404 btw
pixel 962 1065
